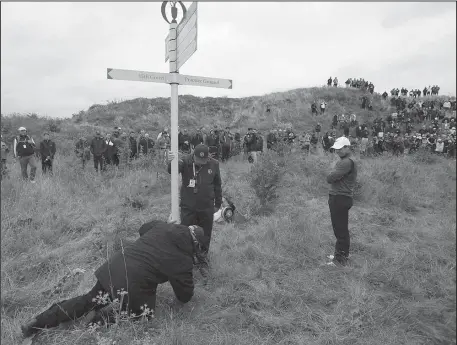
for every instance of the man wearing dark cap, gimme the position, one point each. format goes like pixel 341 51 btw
pixel 201 191
pixel 164 252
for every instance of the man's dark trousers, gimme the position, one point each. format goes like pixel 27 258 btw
pixel 98 161
pixel 46 166
pixel 70 309
pixel 339 212
pixel 201 218
pixel 76 307
pixel 225 152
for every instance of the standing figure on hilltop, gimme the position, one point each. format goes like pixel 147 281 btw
pixel 133 145
pixel 4 155
pixel 322 106
pixel 371 87
pixel 384 95
pixel 142 144
pixel 329 81
pixel 314 108
pixel 335 82
pixel 24 149
pixel 47 152
pixel 98 149
pixel 348 82
pixel 342 181
pixel 82 150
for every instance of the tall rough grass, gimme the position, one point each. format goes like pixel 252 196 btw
pixel 268 284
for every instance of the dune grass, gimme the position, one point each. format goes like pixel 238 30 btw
pixel 268 284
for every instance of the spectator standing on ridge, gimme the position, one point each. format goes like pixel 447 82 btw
pixel 143 143
pixel 197 138
pixel 24 149
pixel 318 129
pixel 335 82
pixel 213 142
pixel 250 146
pixel 342 181
pixel 163 252
pixel 329 81
pixel 314 109
pixel 164 143
pixel 110 152
pixel 5 151
pixel 227 143
pixel 201 190
pixel 133 145
pixel 150 144
pixel 82 150
pixel 47 152
pixel 323 105
pixel 98 149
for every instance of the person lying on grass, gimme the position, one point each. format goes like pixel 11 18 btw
pixel 164 252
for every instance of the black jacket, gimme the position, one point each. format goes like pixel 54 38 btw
pixel 47 149
pixel 98 146
pixel 208 184
pixel 197 139
pixel 164 252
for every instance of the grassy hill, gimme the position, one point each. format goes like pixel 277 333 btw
pixel 268 284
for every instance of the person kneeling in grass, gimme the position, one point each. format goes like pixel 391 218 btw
pixel 342 180
pixel 164 252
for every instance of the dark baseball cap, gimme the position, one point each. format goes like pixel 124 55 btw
pixel 201 154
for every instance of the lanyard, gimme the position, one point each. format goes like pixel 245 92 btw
pixel 195 174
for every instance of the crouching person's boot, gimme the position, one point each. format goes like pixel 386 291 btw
pixel 203 266
pixel 30 328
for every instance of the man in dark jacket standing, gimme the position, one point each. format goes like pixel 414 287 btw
pixel 47 152
pixel 133 145
pixel 164 252
pixel 342 180
pixel 213 142
pixel 201 191
pixel 98 149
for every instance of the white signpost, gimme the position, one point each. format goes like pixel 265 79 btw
pixel 180 45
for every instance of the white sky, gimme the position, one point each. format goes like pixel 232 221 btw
pixel 54 55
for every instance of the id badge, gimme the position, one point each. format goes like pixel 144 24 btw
pixel 191 183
